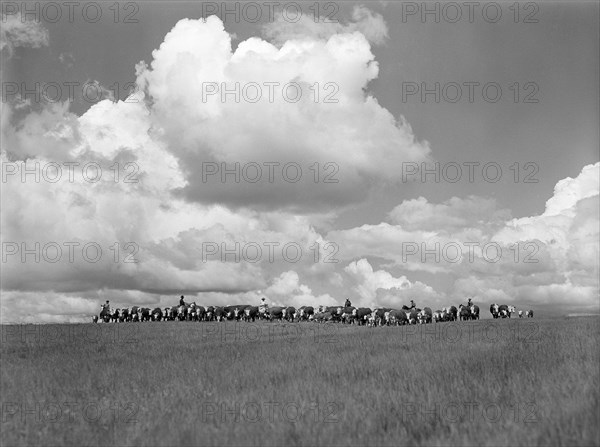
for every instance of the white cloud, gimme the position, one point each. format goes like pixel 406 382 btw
pixel 16 33
pixel 170 212
pixel 364 141
pixel 371 25
pixel 556 261
pixel 379 288
pixel 451 215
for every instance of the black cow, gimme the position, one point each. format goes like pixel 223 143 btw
pixel 361 315
pixel 425 316
pixel 155 315
pixel 503 311
pixel 105 314
pixel 289 313
pixel 124 315
pixel 413 316
pixel 275 313
pixel 464 313
pixel 397 317
pixel 452 313
pixel 251 313
pixel 238 311
pixel 474 312
pixel 220 313
pixel 229 312
pixel 210 313
pixel 305 312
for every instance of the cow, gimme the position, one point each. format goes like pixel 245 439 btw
pixel 124 315
pixel 348 318
pixel 425 316
pixel 305 312
pixel 438 316
pixel 503 311
pixel 379 316
pixel 413 316
pixel 250 313
pixel 263 312
pixel 451 313
pixel 105 314
pixel 529 314
pixel 464 313
pixel 209 315
pixel 396 317
pixel 238 311
pixel 220 313
pixel 511 310
pixel 95 319
pixel 520 314
pixel 182 312
pixel 323 317
pixel 335 311
pixel 495 310
pixel 289 314
pixel 145 314
pixel 474 312
pixel 361 315
pixel 191 312
pixel 275 313
pixel 155 315
pixel 200 313
pixel 229 312
pixel 347 314
pixel 115 315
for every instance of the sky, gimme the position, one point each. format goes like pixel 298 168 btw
pixel 433 154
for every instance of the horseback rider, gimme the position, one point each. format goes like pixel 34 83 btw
pixel 263 307
pixel 106 306
pixel 412 304
pixel 181 302
pixel 469 303
pixel 347 303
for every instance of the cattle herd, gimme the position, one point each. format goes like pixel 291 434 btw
pixel 351 315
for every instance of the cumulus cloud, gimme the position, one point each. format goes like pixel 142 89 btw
pixel 451 215
pixel 371 25
pixel 286 290
pixel 15 33
pixel 381 288
pixel 157 142
pixel 551 259
pixel 344 134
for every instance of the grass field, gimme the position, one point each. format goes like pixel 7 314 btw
pixel 508 382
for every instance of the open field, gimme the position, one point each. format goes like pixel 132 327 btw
pixel 491 382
